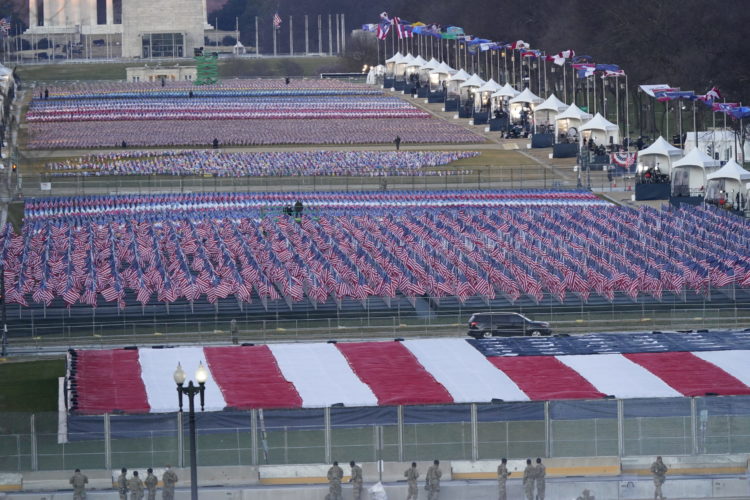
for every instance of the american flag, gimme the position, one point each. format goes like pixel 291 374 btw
pixel 5 25
pixel 277 21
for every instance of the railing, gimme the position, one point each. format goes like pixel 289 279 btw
pixel 38 329
pixel 673 426
pixel 531 176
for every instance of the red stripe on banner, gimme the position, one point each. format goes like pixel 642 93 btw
pixel 393 373
pixel 689 374
pixel 108 381
pixel 545 377
pixel 249 377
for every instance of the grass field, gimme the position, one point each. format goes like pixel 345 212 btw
pixel 228 68
pixel 33 387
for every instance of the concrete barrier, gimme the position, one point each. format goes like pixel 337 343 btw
pixel 60 480
pixel 10 481
pixel 688 465
pixel 637 488
pixel 556 467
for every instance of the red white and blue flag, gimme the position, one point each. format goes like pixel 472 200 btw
pixel 277 21
pixel 5 25
pixel 419 371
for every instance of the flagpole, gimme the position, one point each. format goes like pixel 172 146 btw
pixel 546 88
pixel 565 84
pixel 695 126
pixel 274 41
pixel 627 111
pixel 666 113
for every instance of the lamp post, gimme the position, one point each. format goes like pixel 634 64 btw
pixel 201 375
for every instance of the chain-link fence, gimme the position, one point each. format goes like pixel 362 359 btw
pixel 607 427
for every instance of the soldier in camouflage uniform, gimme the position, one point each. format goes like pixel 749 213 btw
pixel 122 484
pixel 335 473
pixel 168 480
pixel 528 480
pixel 502 478
pixel 79 481
pixel 412 474
pixel 150 484
pixel 136 487
pixel 433 480
pixel 356 481
pixel 540 472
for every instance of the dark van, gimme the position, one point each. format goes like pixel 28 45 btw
pixel 505 324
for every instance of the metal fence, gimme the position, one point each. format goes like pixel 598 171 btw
pixel 530 176
pixel 34 328
pixel 608 427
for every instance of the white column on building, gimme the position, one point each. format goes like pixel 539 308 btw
pixel 110 13
pixel 32 14
pixel 47 6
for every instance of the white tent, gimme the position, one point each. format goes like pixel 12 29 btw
pixel 502 95
pixel 506 91
pixel 661 154
pixel 400 68
pixel 483 93
pixel 424 70
pixel 716 142
pixel 454 81
pixel 547 111
pixel 689 173
pixel 375 75
pixel 441 74
pixel 526 99
pixel 727 182
pixel 569 122
pixel 390 63
pixel 600 130
pixel 413 66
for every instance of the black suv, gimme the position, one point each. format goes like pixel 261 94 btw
pixel 505 324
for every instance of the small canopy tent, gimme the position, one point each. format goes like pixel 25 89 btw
pixel 727 183
pixel 546 112
pixel 375 75
pixel 600 130
pixel 661 154
pixel 467 88
pixel 400 68
pixel 689 173
pixel 441 74
pixel 424 70
pixel 454 82
pixel 390 64
pixel 412 68
pixel 483 93
pixel 526 99
pixel 568 123
pixel 501 97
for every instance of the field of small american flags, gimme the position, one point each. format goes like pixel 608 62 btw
pixel 83 252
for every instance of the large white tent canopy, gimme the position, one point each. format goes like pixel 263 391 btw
pixel 661 154
pixel 569 121
pixel 728 182
pixel 546 112
pixel 600 130
pixel 689 173
pixel 454 82
pixel 506 91
pixel 523 100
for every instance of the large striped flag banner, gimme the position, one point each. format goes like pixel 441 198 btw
pixel 412 372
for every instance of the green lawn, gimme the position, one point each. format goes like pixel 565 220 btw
pixel 30 386
pixel 244 67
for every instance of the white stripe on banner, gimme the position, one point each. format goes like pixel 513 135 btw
pixel 157 372
pixel 734 363
pixel 321 375
pixel 465 372
pixel 615 375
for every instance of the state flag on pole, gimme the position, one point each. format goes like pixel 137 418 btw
pixel 276 21
pixel 5 25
